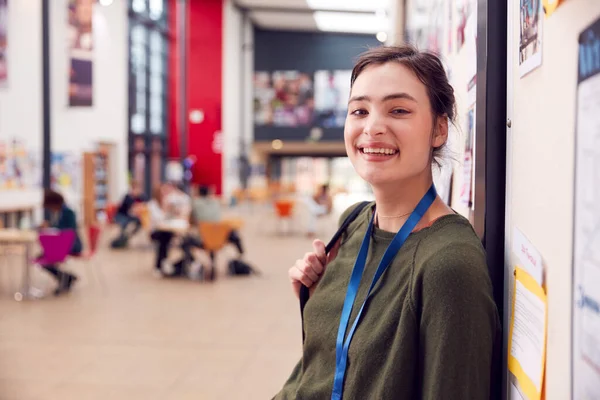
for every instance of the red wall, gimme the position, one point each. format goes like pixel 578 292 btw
pixel 174 103
pixel 204 87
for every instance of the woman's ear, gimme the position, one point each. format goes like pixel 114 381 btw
pixel 440 132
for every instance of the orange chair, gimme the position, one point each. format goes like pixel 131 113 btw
pixel 214 235
pixel 284 209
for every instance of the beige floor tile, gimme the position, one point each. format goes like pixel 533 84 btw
pixel 147 338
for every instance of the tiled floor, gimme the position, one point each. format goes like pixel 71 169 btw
pixel 147 338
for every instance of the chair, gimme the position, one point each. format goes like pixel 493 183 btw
pixel 284 209
pixel 93 237
pixel 214 235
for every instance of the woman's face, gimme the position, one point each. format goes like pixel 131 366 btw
pixel 389 130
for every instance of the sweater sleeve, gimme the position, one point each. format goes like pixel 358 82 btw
pixel 458 325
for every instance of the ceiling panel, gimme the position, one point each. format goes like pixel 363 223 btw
pixel 349 16
pixel 284 21
pixel 279 4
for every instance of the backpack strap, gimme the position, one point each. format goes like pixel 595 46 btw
pixel 304 292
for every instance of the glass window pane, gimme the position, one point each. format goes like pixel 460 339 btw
pixel 156 125
pixel 156 64
pixel 139 6
pixel 156 85
pixel 156 9
pixel 138 123
pixel 156 43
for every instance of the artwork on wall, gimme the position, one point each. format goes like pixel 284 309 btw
pixel 19 166
pixel 332 90
pixel 283 98
pixel 66 172
pixel 3 42
pixel 80 38
pixel 530 36
pixel 291 99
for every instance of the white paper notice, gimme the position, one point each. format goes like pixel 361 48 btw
pixel 528 333
pixel 586 264
pixel 514 393
pixel 530 258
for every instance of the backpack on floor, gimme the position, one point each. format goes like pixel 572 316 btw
pixel 238 267
pixel 120 242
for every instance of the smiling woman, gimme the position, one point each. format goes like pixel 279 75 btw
pixel 402 307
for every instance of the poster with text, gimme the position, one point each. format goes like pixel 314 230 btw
pixel 530 36
pixel 80 38
pixel 586 240
pixel 3 42
pixel 332 90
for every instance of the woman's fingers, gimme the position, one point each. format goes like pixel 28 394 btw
pixel 298 275
pixel 319 248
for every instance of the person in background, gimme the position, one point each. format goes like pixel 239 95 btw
pixel 206 208
pixel 58 216
pixel 126 214
pixel 319 205
pixel 161 237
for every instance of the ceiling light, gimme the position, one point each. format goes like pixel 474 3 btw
pixel 105 2
pixel 277 144
pixel 347 5
pixel 349 22
pixel 381 36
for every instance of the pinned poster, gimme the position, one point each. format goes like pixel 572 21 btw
pixel 550 6
pixel 80 37
pixel 527 337
pixel 530 36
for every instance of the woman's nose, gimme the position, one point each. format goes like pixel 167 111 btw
pixel 374 125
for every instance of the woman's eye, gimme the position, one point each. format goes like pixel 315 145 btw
pixel 400 111
pixel 359 112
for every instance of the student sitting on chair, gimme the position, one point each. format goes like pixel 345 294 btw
pixel 126 215
pixel 206 208
pixel 57 215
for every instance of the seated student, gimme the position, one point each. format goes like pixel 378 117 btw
pixel 57 215
pixel 161 237
pixel 168 203
pixel 206 208
pixel 318 205
pixel 125 215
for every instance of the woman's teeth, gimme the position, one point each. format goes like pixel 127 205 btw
pixel 378 151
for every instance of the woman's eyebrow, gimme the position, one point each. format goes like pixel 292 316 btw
pixel 392 96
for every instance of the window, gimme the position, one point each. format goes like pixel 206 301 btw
pixel 148 73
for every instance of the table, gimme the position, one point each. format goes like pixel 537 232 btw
pixel 25 238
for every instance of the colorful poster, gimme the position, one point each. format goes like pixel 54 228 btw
pixel 80 52
pixel 283 98
pixel 586 228
pixel 530 37
pixel 66 172
pixel 3 42
pixel 332 90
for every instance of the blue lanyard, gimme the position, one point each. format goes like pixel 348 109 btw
pixel 361 260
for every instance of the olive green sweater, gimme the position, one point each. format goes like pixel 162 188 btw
pixel 427 331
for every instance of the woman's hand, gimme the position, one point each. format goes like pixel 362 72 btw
pixel 308 270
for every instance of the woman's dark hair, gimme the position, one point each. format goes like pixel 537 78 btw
pixel 426 66
pixel 53 199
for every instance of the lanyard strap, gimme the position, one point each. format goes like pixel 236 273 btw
pixel 357 272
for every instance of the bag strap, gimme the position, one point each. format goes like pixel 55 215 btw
pixel 304 292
